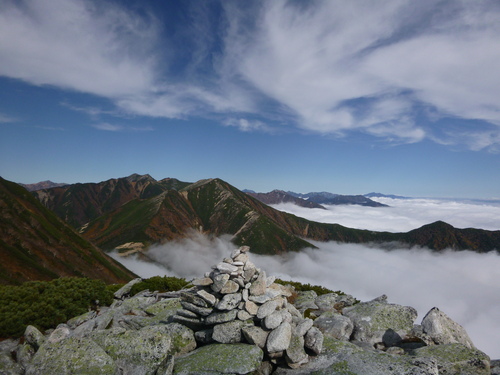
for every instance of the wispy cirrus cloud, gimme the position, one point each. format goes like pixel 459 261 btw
pixel 106 126
pixel 326 67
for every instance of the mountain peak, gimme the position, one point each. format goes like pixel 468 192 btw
pixel 138 177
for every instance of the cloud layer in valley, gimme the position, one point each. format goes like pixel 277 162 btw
pixel 464 285
pixel 403 215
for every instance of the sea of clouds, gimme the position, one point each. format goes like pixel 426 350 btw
pixel 465 285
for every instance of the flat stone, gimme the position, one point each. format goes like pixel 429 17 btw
pixel 267 296
pixel 230 287
pixel 203 311
pixel 221 317
pixel 279 338
pixel 226 268
pixel 204 336
pixel 229 301
pixel 244 294
pixel 194 299
pixel 219 282
pixel 267 309
pixel 194 324
pixel 209 298
pixel 206 281
pixel 187 314
pixel 251 307
pixel 243 315
pixel 255 335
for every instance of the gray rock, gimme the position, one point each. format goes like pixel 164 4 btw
pixel 205 281
pixel 220 359
pixel 218 317
pixel 203 311
pixel 78 320
pixel 335 325
pixel 258 287
pixel 72 356
pixel 59 334
pixel 377 321
pixel 208 297
pixel 194 324
pixel 182 338
pixel 229 301
pixel 187 314
pixel 456 359
pixel 244 315
pixel 226 268
pixel 34 337
pixel 24 355
pixel 244 249
pixel 313 340
pixel 230 287
pixel 193 298
pixel 268 295
pixel 327 301
pixel 295 353
pixel 495 367
pixel 273 320
pixel 135 352
pixel 279 338
pixel 341 357
pixel 303 326
pixel 267 309
pixel 8 366
pixel 219 282
pixel 251 307
pixel 255 335
pixel 442 330
pixel 241 258
pixel 228 333
pixel 164 310
pixel 204 336
pixel 125 290
pixel 305 300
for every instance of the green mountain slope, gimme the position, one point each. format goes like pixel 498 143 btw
pixel 36 245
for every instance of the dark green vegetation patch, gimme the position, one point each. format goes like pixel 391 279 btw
pixel 160 284
pixel 45 304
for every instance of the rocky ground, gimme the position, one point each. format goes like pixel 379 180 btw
pixel 237 320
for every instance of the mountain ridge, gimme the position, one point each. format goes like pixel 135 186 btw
pixel 214 207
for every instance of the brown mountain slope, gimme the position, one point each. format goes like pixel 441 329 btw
pixel 37 245
pixel 78 204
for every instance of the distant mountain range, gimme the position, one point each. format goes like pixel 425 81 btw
pixel 36 245
pixel 42 185
pixel 313 200
pixel 140 209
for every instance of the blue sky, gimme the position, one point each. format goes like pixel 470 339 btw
pixel 348 97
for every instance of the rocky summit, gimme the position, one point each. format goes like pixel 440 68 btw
pixel 238 320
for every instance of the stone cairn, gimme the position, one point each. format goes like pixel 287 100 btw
pixel 236 302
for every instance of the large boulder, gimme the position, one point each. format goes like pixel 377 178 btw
pixel 442 330
pixel 72 356
pixel 335 325
pixel 341 357
pixel 456 359
pixel 220 359
pixel 380 322
pixel 135 352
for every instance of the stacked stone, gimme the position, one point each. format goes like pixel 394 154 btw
pixel 237 302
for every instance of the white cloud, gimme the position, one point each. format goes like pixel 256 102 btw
pixel 403 215
pixel 94 47
pixel 246 125
pixel 465 285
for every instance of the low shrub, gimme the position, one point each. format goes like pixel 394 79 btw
pixel 160 284
pixel 45 304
